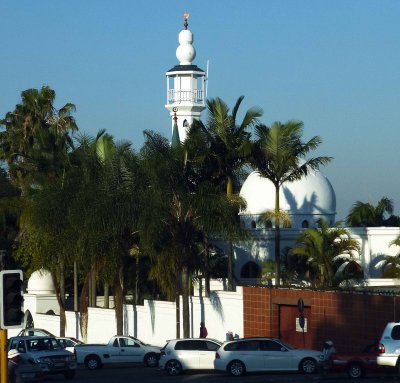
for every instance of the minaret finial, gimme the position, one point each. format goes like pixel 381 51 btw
pixel 186 17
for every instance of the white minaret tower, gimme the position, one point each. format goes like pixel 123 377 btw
pixel 185 85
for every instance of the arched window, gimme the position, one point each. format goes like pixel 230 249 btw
pixel 253 224
pixel 250 270
pixel 305 224
pixel 268 224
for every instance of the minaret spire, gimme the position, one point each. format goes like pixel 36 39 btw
pixel 185 84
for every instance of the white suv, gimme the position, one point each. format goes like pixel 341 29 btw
pixel 389 346
pixel 179 355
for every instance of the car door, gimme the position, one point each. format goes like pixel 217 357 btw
pixel 130 351
pixel 207 354
pixel 249 351
pixel 188 354
pixel 277 357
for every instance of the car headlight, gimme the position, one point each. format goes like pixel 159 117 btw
pixel 320 357
pixel 45 360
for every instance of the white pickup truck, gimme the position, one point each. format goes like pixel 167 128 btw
pixel 120 349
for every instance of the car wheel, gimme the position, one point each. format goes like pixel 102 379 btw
pixel 92 362
pixel 355 370
pixel 69 375
pixel 151 360
pixel 308 366
pixel 236 368
pixel 173 367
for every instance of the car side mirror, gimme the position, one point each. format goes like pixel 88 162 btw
pixel 283 349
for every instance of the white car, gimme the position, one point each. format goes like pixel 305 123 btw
pixel 389 346
pixel 265 354
pixel 69 343
pixel 179 355
pixel 35 332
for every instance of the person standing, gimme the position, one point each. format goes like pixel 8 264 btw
pixel 14 359
pixel 203 330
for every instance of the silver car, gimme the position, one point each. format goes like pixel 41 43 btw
pixel 265 354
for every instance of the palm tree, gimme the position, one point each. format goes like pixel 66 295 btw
pixel 228 143
pixel 105 211
pixel 36 144
pixel 364 214
pixel 325 248
pixel 278 154
pixel 391 264
pixel 37 137
pixel 179 206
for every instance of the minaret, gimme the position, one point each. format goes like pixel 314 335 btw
pixel 185 85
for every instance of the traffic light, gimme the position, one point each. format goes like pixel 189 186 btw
pixel 11 299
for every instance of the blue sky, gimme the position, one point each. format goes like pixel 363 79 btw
pixel 335 65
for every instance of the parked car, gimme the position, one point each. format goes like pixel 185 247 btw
pixel 389 346
pixel 69 343
pixel 45 352
pixel 357 365
pixel 265 354
pixel 179 355
pixel 35 332
pixel 120 349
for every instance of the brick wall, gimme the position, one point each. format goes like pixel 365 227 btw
pixel 350 320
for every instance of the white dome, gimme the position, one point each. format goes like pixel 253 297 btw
pixel 312 195
pixel 185 52
pixel 41 282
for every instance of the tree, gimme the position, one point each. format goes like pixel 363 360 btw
pixel 325 248
pixel 391 264
pixel 278 154
pixel 35 145
pixel 37 138
pixel 179 206
pixel 228 143
pixel 364 214
pixel 105 211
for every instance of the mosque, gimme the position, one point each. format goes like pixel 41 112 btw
pixel 306 200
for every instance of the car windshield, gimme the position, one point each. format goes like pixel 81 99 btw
pixel 43 344
pixel 216 341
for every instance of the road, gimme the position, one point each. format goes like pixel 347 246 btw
pixel 127 374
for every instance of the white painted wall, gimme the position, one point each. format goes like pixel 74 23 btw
pixel 154 322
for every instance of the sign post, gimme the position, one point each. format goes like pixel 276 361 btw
pixel 300 306
pixel 3 356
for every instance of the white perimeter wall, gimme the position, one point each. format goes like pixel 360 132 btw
pixel 155 321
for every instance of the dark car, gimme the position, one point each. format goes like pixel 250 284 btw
pixel 356 365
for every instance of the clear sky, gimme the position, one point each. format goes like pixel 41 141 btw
pixel 335 65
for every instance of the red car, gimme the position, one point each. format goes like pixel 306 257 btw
pixel 358 364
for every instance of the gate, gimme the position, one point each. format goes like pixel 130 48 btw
pixel 289 327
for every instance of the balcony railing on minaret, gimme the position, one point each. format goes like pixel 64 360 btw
pixel 178 96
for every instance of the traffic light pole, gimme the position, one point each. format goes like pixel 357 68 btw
pixel 3 356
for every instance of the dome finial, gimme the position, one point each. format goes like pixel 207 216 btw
pixel 186 16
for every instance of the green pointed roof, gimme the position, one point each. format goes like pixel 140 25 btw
pixel 175 134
